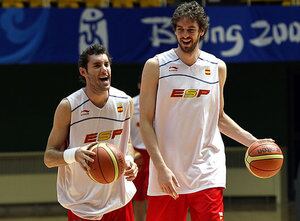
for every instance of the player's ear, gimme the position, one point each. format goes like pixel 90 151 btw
pixel 201 32
pixel 82 71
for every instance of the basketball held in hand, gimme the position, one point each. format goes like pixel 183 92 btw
pixel 264 159
pixel 109 163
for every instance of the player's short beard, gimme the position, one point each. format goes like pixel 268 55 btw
pixel 98 88
pixel 188 49
pixel 192 48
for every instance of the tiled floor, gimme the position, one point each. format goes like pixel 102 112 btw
pixel 257 209
pixel 278 214
pixel 235 210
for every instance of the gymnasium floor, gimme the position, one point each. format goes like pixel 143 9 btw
pixel 250 210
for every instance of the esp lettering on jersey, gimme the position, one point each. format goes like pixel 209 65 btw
pixel 102 136
pixel 189 93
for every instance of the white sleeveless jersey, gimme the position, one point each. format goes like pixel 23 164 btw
pixel 75 190
pixel 135 135
pixel 186 123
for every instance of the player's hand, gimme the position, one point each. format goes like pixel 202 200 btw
pixel 262 141
pixel 168 182
pixel 83 155
pixel 138 159
pixel 131 170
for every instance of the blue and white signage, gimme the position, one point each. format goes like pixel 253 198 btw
pixel 236 34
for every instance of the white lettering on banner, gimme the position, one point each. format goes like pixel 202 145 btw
pixel 233 35
pixel 160 26
pixel 294 32
pixel 92 29
pixel 261 40
pixel 214 33
pixel 277 33
pixel 280 33
pixel 218 34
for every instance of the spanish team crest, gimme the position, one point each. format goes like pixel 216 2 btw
pixel 207 71
pixel 120 107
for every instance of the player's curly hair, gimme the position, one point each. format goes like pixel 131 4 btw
pixel 94 49
pixel 193 11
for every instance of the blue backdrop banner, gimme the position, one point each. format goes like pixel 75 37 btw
pixel 236 34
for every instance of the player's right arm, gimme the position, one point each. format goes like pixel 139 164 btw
pixel 53 156
pixel 148 91
pixel 226 124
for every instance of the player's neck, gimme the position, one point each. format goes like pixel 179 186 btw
pixel 98 99
pixel 189 58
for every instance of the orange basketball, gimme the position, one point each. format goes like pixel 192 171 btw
pixel 264 159
pixel 108 165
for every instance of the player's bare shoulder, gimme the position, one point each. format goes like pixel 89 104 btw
pixel 222 65
pixel 64 105
pixel 151 67
pixel 152 61
pixel 63 112
pixel 222 69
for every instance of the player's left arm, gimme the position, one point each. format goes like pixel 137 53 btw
pixel 130 149
pixel 132 169
pixel 227 125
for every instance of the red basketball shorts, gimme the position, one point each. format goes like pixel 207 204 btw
pixel 141 181
pixel 125 213
pixel 205 205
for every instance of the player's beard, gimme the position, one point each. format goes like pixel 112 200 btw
pixel 188 49
pixel 192 48
pixel 99 86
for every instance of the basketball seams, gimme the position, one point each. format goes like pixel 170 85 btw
pixel 259 145
pixel 271 170
pixel 110 163
pixel 113 159
pixel 96 158
pixel 99 164
pixel 89 174
pixel 264 159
